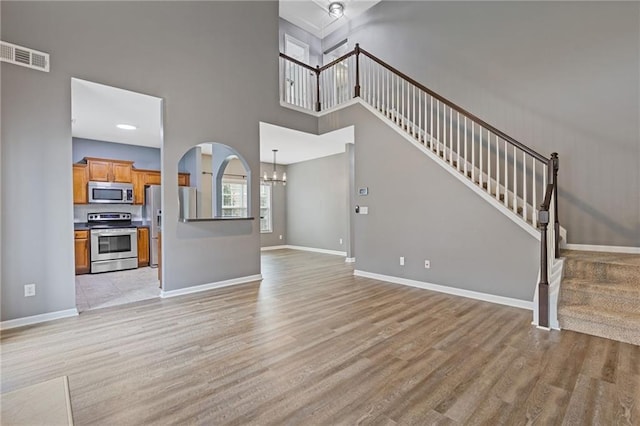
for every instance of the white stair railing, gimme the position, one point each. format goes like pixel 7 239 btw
pixel 517 177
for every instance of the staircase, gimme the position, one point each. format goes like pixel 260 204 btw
pixel 600 295
pixel 518 181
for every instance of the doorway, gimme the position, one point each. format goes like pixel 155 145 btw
pixel 298 80
pixel 116 155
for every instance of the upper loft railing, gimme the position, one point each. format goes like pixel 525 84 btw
pixel 522 180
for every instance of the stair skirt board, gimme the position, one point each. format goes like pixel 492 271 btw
pixel 528 227
pixel 473 170
pixel 485 297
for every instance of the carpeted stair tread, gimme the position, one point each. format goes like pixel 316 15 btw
pixel 600 294
pixel 582 319
pixel 602 271
pixel 615 296
pixel 630 289
pixel 601 316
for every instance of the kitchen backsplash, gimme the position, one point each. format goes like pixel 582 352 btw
pixel 80 211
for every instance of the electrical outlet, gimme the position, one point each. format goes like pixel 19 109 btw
pixel 280 236
pixel 427 264
pixel 29 290
pixel 340 241
pixel 401 260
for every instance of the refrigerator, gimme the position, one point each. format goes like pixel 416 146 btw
pixel 153 215
pixel 153 212
pixel 187 199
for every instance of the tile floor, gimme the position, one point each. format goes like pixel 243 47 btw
pixel 95 291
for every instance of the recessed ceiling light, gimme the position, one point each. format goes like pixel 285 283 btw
pixel 126 126
pixel 336 9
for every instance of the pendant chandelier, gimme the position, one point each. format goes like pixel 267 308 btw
pixel 274 176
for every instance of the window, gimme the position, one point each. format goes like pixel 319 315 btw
pixel 234 198
pixel 266 223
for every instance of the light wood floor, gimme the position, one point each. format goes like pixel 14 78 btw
pixel 312 344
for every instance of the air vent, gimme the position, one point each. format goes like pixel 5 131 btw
pixel 24 56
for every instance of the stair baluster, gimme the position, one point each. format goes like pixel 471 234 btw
pixel 437 123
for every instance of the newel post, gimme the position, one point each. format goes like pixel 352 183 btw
pixel 556 224
pixel 357 88
pixel 318 88
pixel 543 286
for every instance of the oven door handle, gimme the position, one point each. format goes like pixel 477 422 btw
pixel 113 233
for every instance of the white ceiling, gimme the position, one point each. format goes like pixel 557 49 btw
pixel 313 15
pixel 294 146
pixel 96 109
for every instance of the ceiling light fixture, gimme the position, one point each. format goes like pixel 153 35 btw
pixel 126 126
pixel 336 10
pixel 274 176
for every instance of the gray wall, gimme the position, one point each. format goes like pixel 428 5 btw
pixel 420 211
pixel 558 76
pixel 212 92
pixel 317 203
pixel 143 157
pixel 278 208
pixel 315 44
pixel 191 163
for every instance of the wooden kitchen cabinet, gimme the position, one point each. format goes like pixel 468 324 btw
pixel 83 261
pixel 104 170
pixel 80 180
pixel 99 171
pixel 138 178
pixel 143 247
pixel 143 177
pixel 153 177
pixel 183 179
pixel 121 171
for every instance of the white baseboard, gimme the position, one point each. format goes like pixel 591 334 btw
pixel 318 250
pixel 268 248
pixel 50 316
pixel 313 249
pixel 210 286
pixel 508 301
pixel 350 260
pixel 608 249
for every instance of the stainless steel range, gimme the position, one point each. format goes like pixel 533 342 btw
pixel 114 242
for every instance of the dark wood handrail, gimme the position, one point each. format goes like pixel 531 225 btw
pixel 459 109
pixel 548 194
pixel 337 61
pixel 297 62
pixel 551 191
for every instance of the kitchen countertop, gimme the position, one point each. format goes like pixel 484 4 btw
pixel 79 226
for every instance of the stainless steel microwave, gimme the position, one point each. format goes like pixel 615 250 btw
pixel 110 192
